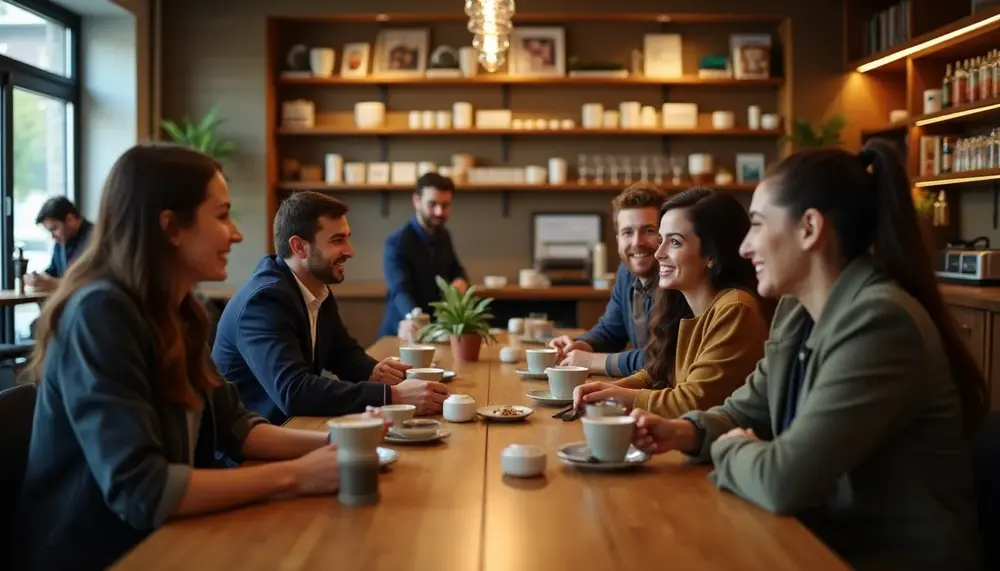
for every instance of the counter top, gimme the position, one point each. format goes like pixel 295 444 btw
pixel 377 290
pixel 986 298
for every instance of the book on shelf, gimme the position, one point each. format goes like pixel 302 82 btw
pixel 887 28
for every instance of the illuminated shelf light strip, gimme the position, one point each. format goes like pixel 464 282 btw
pixel 960 180
pixel 957 114
pixel 928 44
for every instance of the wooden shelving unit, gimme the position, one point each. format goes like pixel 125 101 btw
pixel 347 131
pixel 619 32
pixel 926 20
pixel 326 187
pixel 954 178
pixel 504 79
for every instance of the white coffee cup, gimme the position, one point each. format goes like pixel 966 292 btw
pixel 770 121
pixel 523 460
pixel 426 374
pixel 397 413
pixel 563 379
pixel 321 61
pixel 510 354
pixel 417 355
pixel 539 359
pixel 515 325
pixel 609 437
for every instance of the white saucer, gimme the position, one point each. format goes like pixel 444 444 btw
pixel 448 375
pixel 577 454
pixel 441 433
pixel 490 412
pixel 386 456
pixel 526 374
pixel 545 398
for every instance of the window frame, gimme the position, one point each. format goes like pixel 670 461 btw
pixel 17 74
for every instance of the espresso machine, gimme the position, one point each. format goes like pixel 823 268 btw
pixel 566 263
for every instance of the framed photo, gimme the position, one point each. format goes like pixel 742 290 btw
pixel 538 52
pixel 402 52
pixel 354 62
pixel 751 55
pixel 749 167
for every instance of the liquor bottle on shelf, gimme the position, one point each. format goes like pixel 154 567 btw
pixel 946 88
pixel 947 154
pixel 973 67
pixel 961 85
pixel 995 68
pixel 985 79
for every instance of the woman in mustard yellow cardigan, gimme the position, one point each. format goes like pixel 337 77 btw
pixel 708 325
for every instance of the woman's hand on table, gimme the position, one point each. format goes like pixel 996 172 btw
pixel 601 390
pixel 564 344
pixel 317 472
pixel 747 433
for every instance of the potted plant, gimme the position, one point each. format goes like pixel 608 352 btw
pixel 201 136
pixel 827 134
pixel 463 318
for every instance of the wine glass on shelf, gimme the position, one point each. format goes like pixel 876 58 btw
pixel 581 169
pixel 677 169
pixel 598 170
pixel 658 165
pixel 644 168
pixel 627 168
pixel 613 168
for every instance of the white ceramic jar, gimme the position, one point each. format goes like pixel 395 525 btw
pixel 523 460
pixel 510 355
pixel 459 408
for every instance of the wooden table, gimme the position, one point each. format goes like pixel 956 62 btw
pixel 448 507
pixel 10 297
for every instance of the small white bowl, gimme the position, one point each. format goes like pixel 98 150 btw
pixel 510 355
pixel 397 414
pixel 523 460
pixel 495 282
pixel 417 428
pixel 459 408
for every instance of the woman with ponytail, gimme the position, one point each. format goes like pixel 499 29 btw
pixel 858 417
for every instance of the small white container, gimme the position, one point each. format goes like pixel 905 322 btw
pixel 415 120
pixel 510 354
pixel 515 325
pixel 770 121
pixel 495 282
pixel 523 460
pixel 753 117
pixel 459 408
pixel 369 114
pixel 443 119
pixel 427 119
pixel 462 114
pixel 723 120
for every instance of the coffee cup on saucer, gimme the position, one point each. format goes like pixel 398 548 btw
pixel 609 437
pixel 539 359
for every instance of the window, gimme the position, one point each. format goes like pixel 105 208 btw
pixel 33 39
pixel 39 95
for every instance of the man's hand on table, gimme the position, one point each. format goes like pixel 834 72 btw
pixel 427 396
pixel 389 371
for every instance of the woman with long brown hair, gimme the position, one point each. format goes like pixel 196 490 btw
pixel 131 412
pixel 859 417
pixel 708 327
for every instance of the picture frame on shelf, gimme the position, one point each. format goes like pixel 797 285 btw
pixel 402 52
pixel 537 52
pixel 749 167
pixel 354 62
pixel 751 55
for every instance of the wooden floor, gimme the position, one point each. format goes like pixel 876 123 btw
pixel 448 507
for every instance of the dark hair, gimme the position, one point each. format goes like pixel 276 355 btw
pixel 129 248
pixel 873 212
pixel 433 180
pixel 638 195
pixel 721 223
pixel 299 215
pixel 57 208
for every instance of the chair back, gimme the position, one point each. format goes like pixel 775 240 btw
pixel 17 411
pixel 986 464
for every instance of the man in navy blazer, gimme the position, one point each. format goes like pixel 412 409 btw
pixel 280 340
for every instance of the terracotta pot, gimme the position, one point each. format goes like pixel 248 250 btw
pixel 466 347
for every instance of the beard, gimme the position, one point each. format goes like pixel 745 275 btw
pixel 323 269
pixel 654 268
pixel 431 221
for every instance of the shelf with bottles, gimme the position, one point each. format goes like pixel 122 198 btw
pixel 949 159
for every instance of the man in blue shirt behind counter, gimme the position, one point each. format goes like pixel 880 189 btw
pixel 417 252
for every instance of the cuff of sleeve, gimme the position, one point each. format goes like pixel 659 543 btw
pixel 704 452
pixel 375 394
pixel 642 399
pixel 612 366
pixel 178 476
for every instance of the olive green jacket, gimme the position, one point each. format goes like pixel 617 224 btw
pixel 874 462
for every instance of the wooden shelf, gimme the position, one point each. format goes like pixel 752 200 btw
pixel 966 177
pixel 968 113
pixel 322 186
pixel 947 42
pixel 504 79
pixel 406 132
pixel 459 16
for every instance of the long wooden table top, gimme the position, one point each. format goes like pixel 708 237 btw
pixel 448 507
pixel 378 291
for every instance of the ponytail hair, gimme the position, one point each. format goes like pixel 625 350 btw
pixel 866 199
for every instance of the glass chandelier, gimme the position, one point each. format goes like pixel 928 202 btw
pixel 490 24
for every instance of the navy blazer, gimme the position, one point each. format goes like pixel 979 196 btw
pixel 109 458
pixel 264 347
